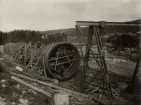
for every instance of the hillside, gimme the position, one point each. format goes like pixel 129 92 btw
pixel 27 35
pixel 107 29
pixel 135 21
pixel 72 33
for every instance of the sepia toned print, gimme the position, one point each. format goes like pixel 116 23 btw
pixel 70 52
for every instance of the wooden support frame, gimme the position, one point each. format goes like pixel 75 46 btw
pixel 90 23
pixel 97 31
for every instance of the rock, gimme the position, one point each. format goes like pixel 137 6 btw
pixel 3 81
pixel 17 86
pixel 19 68
pixel 5 56
pixel 2 102
pixel 13 103
pixel 32 91
pixel 14 95
pixel 21 96
pixel 55 81
pixel 23 101
pixel 35 84
pixel 61 99
pixel 23 92
pixel 3 85
pixel 1 58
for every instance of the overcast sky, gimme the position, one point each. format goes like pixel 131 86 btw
pixel 57 14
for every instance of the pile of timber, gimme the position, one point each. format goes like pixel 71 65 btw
pixel 49 89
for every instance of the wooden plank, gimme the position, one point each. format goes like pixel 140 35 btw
pixel 31 86
pixel 75 94
pixel 72 93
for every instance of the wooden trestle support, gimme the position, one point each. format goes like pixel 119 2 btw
pixel 99 84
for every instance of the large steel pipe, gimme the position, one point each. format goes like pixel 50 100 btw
pixel 62 60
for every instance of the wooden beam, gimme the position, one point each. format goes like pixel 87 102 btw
pixel 90 23
pixel 31 86
pixel 72 93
